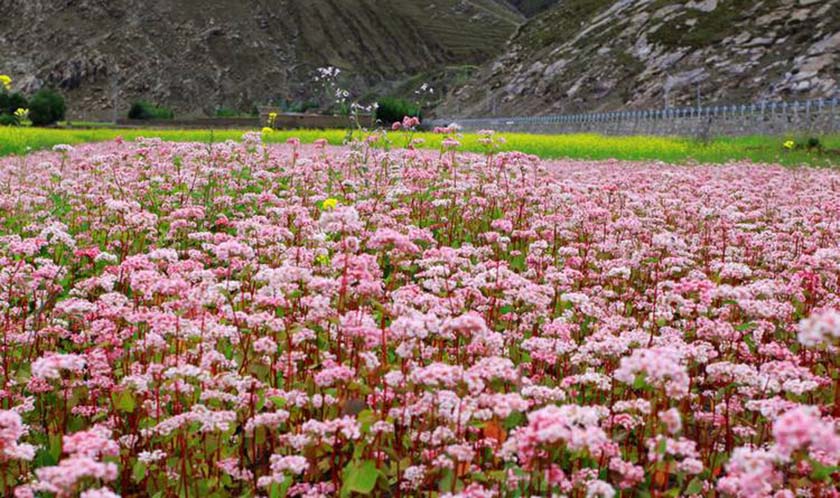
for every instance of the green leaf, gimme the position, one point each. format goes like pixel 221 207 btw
pixel 639 381
pixel 366 416
pixel 694 487
pixel 138 472
pixel 822 472
pixel 43 458
pixel 55 446
pixel 260 435
pixel 515 419
pixel 446 482
pixel 360 477
pixel 125 401
pixel 278 401
pixel 748 339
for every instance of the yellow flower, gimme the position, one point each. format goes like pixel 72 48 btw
pixel 330 203
pixel 6 81
pixel 21 113
pixel 267 130
pixel 790 144
pixel 322 259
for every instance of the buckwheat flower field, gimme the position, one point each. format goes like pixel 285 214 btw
pixel 243 319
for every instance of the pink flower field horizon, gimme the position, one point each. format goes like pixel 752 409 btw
pixel 241 319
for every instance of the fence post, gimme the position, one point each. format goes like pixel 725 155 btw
pixel 784 110
pixel 808 116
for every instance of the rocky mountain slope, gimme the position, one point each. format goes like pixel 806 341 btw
pixel 589 55
pixel 196 56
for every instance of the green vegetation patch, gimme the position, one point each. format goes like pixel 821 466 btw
pixel 146 110
pixel 562 22
pixel 710 28
pixel 759 149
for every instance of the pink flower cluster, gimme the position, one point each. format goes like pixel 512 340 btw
pixel 408 123
pixel 11 430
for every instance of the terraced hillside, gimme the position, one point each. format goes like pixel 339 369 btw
pixel 588 55
pixel 532 7
pixel 196 55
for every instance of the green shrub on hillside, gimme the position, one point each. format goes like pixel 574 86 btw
pixel 8 120
pixel 391 110
pixel 11 102
pixel 46 107
pixel 146 110
pixel 300 106
pixel 227 112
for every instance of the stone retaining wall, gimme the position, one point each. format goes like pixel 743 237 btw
pixel 195 123
pixel 293 120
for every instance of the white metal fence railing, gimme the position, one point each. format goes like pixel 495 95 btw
pixel 799 111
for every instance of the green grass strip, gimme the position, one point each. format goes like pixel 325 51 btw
pixel 758 149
